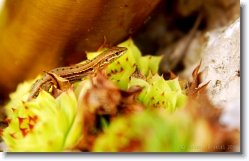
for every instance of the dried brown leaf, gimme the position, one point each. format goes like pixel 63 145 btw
pixel 193 89
pixel 129 103
pixel 172 75
pixel 137 74
pixel 104 99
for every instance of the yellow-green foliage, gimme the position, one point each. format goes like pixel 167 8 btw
pixel 120 70
pixel 150 131
pixel 160 93
pixel 157 92
pixel 49 124
pixel 44 124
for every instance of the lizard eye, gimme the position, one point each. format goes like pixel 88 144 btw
pixel 117 53
pixel 106 60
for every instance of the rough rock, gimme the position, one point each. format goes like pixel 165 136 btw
pixel 220 54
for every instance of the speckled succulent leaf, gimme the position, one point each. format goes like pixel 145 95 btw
pixel 158 92
pixel 19 96
pixel 174 85
pixel 121 69
pixel 122 78
pixel 125 65
pixel 44 124
pixel 160 84
pixel 133 53
pixel 154 63
pixel 143 65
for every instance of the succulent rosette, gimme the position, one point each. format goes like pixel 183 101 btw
pixel 57 124
pixel 121 70
pixel 150 131
pixel 43 124
pixel 160 93
pixel 157 91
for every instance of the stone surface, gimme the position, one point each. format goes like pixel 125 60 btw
pixel 220 54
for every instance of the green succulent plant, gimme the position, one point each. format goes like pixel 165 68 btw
pixel 55 124
pixel 160 93
pixel 150 131
pixel 44 124
pixel 157 91
pixel 121 70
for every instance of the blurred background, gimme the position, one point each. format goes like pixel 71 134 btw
pixel 37 36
